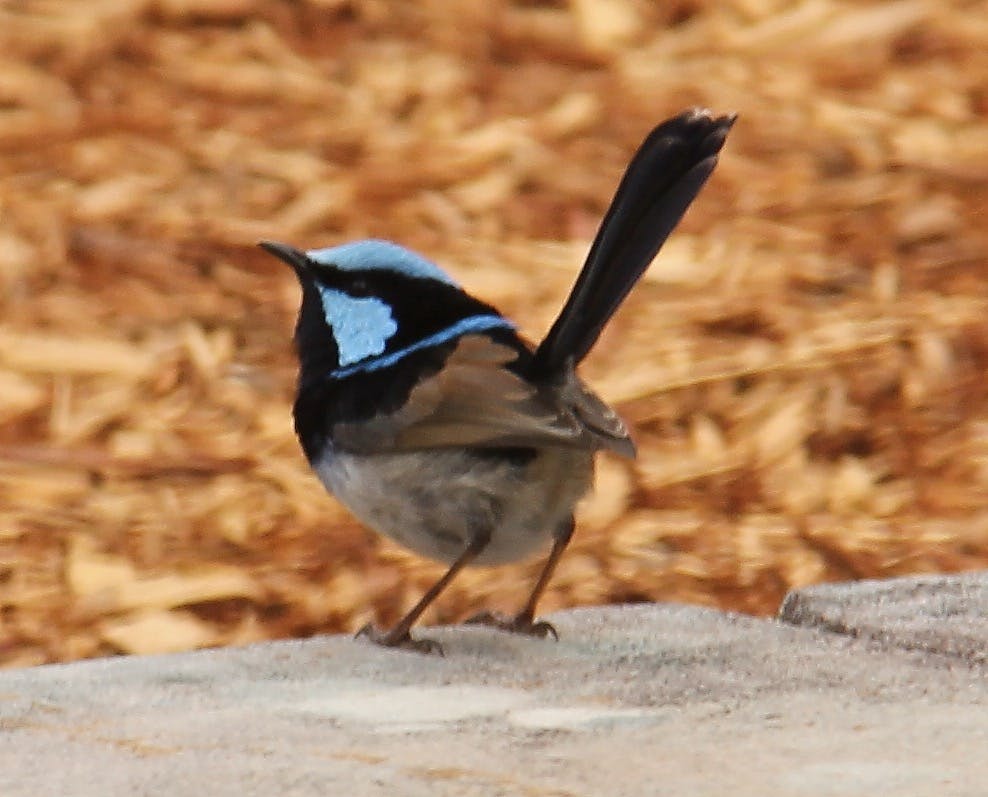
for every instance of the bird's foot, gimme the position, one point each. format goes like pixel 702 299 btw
pixel 522 623
pixel 399 638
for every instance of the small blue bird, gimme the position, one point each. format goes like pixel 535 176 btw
pixel 422 410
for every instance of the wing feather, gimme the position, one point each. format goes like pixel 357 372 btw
pixel 474 400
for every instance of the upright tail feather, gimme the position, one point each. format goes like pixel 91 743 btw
pixel 658 186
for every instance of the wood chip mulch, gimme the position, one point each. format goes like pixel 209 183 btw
pixel 805 367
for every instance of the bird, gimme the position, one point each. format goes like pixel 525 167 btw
pixel 427 415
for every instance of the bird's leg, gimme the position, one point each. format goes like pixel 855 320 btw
pixel 524 622
pixel 399 636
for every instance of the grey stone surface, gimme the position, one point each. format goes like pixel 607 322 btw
pixel 942 615
pixel 632 700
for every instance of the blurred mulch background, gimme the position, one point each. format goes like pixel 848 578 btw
pixel 805 366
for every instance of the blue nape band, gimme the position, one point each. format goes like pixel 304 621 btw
pixel 476 323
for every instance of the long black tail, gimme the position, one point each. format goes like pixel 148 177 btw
pixel 661 181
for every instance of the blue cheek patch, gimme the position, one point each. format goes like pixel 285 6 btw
pixel 361 326
pixel 472 324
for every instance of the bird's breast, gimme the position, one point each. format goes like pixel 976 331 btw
pixel 434 501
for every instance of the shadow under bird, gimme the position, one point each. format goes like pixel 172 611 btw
pixel 422 410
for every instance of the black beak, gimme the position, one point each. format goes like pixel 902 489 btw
pixel 296 258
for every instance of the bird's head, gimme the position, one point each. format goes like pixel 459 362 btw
pixel 369 304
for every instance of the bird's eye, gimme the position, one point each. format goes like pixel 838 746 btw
pixel 359 287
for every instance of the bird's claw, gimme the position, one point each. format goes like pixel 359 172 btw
pixel 518 624
pixel 402 640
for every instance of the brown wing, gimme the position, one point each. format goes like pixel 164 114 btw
pixel 476 401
